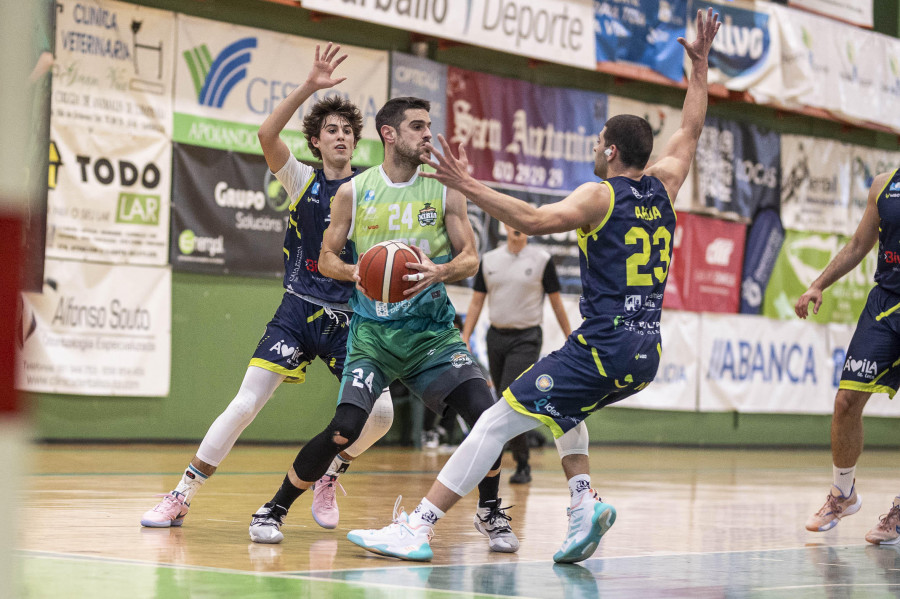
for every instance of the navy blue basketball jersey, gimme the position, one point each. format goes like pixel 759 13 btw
pixel 625 260
pixel 887 275
pixel 310 215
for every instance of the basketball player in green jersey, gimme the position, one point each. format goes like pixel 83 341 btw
pixel 413 340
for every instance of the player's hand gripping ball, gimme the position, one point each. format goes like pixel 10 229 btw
pixel 381 271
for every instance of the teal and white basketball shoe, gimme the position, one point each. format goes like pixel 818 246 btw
pixel 398 539
pixel 588 522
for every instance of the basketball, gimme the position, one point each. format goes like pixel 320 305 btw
pixel 381 271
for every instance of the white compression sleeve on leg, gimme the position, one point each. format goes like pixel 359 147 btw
pixel 377 426
pixel 473 459
pixel 574 442
pixel 258 386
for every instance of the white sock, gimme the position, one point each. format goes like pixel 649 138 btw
pixel 843 479
pixel 338 466
pixel 578 486
pixel 426 513
pixel 191 481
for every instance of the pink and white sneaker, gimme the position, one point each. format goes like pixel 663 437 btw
pixel 324 505
pixel 168 512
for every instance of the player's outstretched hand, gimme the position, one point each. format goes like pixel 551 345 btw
pixel 449 170
pixel 706 31
pixel 428 272
pixel 324 65
pixel 802 305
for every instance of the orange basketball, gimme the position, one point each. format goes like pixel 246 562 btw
pixel 381 271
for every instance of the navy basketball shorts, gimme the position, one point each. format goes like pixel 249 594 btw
pixel 873 357
pixel 300 332
pixel 562 388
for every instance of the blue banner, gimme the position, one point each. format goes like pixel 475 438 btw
pixel 743 43
pixel 764 242
pixel 738 168
pixel 422 78
pixel 644 32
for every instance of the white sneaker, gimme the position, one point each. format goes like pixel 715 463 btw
pixel 492 522
pixel 399 539
pixel 588 522
pixel 265 527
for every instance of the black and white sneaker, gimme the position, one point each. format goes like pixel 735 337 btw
pixel 266 524
pixel 491 521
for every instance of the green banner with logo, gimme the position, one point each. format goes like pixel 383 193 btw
pixel 802 259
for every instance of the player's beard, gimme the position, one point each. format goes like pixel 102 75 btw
pixel 407 154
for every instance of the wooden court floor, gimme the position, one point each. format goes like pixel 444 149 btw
pixel 691 523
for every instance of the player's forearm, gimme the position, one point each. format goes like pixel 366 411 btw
pixel 845 261
pixel 693 114
pixel 462 266
pixel 511 211
pixel 331 265
pixel 278 119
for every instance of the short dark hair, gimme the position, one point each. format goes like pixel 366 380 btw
pixel 319 113
pixel 393 110
pixel 633 137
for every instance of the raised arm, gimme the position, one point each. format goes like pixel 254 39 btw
pixel 583 208
pixel 672 168
pixel 274 149
pixel 330 263
pixel 850 255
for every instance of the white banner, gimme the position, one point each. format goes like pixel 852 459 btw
pixel 559 31
pixel 752 364
pixel 677 380
pixel 110 198
pixel 665 121
pixel 858 12
pixel 860 73
pixel 97 330
pixel 229 78
pixel 890 85
pixel 839 336
pixel 113 67
pixel 815 185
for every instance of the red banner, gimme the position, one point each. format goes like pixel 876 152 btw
pixel 706 269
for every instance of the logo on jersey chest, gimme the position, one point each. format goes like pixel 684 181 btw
pixel 427 215
pixel 314 193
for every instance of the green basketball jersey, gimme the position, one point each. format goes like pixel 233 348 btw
pixel 411 212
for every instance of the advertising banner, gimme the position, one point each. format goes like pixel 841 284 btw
pixel 422 78
pixel 110 202
pixel 802 259
pixel 559 31
pixel 751 364
pixel 815 185
pixel 763 247
pixel 858 12
pixel 229 78
pixel 229 213
pixel 522 135
pixel 643 32
pixel 664 121
pixel 706 266
pixel 890 84
pixel 112 67
pixel 866 165
pixel 97 329
pixel 753 52
pixel 677 380
pixel 738 168
pixel 860 73
pixel 839 336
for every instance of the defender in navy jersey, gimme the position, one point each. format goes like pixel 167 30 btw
pixel 312 320
pixel 625 226
pixel 872 364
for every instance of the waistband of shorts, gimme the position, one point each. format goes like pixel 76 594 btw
pixel 321 302
pixel 508 331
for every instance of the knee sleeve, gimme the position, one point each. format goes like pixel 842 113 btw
pixel 256 389
pixel 377 425
pixel 574 442
pixel 315 457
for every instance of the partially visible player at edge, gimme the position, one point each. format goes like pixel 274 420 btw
pixel 625 227
pixel 876 343
pixel 313 316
